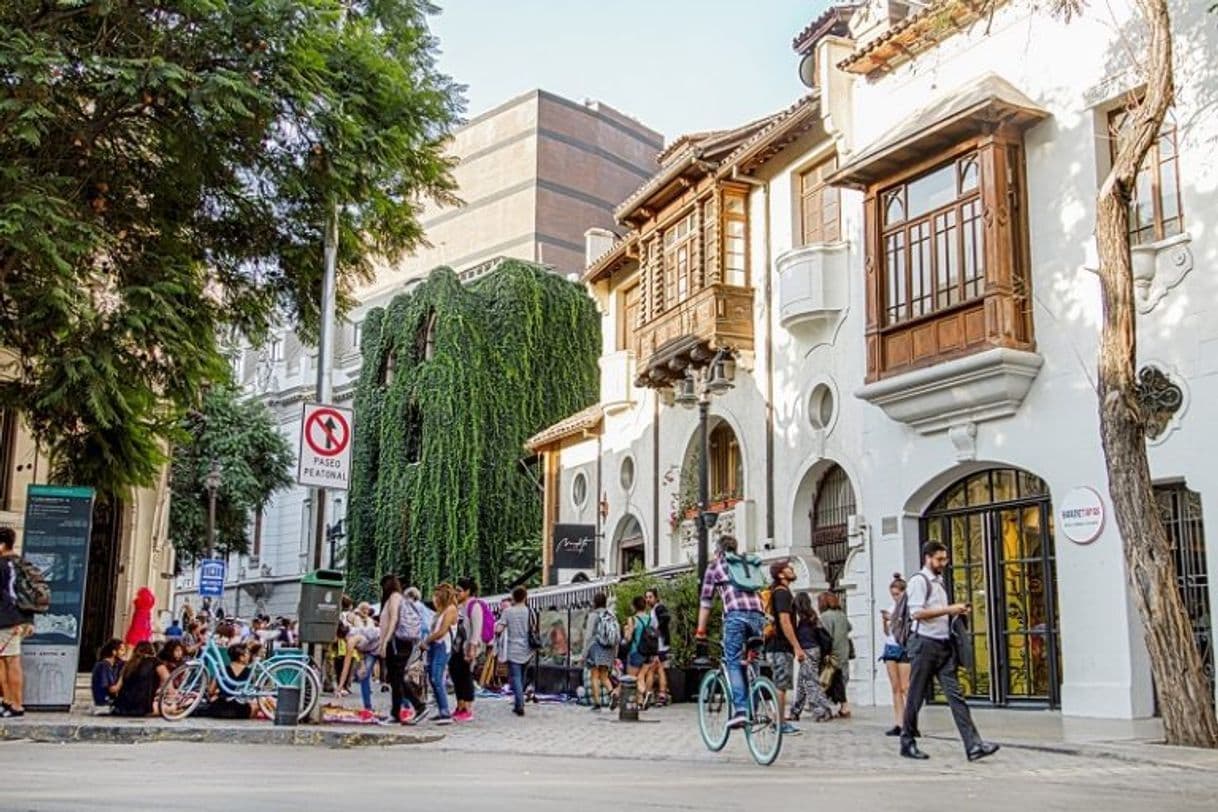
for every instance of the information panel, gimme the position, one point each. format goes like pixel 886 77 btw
pixel 58 521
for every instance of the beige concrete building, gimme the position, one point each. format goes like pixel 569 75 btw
pixel 534 174
pixel 129 548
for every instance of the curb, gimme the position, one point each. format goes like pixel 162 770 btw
pixel 61 733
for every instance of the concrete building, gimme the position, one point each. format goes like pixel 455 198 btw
pixel 913 326
pixel 533 175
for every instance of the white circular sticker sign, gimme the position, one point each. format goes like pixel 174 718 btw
pixel 1081 515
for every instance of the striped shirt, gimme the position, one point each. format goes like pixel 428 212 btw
pixel 734 600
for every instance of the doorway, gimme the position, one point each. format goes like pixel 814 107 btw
pixel 997 526
pixel 101 580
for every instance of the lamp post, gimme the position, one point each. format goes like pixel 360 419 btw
pixel 697 389
pixel 212 483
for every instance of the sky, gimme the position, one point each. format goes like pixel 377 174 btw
pixel 676 65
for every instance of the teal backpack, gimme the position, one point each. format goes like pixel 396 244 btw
pixel 746 572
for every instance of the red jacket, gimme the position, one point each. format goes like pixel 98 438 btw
pixel 140 630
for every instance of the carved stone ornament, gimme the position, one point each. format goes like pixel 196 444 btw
pixel 1159 267
pixel 964 439
pixel 1160 399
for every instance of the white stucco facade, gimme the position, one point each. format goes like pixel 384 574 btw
pixel 1034 412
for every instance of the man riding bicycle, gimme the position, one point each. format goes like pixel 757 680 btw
pixel 742 619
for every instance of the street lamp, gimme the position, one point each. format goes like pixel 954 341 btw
pixel 696 389
pixel 212 483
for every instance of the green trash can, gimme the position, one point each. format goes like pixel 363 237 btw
pixel 321 595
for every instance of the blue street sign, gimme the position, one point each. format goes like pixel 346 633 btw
pixel 211 578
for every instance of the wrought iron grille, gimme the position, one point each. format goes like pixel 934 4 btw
pixel 1180 510
pixel 830 519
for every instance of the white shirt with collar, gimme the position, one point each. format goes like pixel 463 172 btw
pixel 938 628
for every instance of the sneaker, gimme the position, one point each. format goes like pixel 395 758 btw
pixel 519 711
pixel 895 730
pixel 404 715
pixel 463 716
pixel 789 729
pixel 366 715
pixel 595 708
pixel 738 720
pixel 9 712
pixel 442 719
pixel 419 716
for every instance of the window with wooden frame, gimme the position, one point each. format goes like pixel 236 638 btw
pixel 1156 211
pixel 726 467
pixel 820 207
pixel 735 239
pixel 628 314
pixel 8 442
pixel 932 241
pixel 678 258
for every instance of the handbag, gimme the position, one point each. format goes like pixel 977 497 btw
pixel 534 635
pixel 851 642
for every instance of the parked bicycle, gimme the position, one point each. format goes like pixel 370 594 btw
pixel 188 685
pixel 763 730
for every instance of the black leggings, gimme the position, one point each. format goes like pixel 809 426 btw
pixel 463 676
pixel 396 657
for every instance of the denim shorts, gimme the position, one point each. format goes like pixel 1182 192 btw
pixel 894 653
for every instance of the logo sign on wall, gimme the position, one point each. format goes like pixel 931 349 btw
pixel 574 546
pixel 1080 515
pixel 324 460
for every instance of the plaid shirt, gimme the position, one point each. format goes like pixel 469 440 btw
pixel 734 600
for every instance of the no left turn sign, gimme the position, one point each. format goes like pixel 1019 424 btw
pixel 325 447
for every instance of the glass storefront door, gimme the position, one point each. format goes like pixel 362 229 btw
pixel 997 528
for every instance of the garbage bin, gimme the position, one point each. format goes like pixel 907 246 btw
pixel 628 701
pixel 287 705
pixel 321 595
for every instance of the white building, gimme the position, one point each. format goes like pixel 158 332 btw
pixel 901 265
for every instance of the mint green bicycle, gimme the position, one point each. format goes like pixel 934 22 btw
pixel 763 729
pixel 189 683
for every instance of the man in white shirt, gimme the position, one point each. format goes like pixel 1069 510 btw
pixel 931 652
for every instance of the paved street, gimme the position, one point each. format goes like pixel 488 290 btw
pixel 560 755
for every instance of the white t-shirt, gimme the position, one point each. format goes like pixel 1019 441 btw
pixel 889 640
pixel 939 628
pixel 655 624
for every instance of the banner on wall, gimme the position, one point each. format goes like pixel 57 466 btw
pixel 58 523
pixel 574 547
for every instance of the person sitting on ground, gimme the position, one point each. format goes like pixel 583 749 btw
pixel 172 654
pixel 225 703
pixel 106 673
pixel 175 631
pixel 142 677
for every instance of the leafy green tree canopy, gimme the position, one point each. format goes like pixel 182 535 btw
pixel 255 460
pixel 166 170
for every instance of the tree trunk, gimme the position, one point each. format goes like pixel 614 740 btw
pixel 1185 699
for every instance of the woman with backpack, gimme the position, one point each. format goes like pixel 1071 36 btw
pixel 601 635
pixel 16 623
pixel 816 643
pixel 401 628
pixel 895 657
pixel 644 643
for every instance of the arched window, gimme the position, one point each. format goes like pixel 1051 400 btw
pixel 831 514
pixel 726 465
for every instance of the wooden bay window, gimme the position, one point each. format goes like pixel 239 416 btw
pixel 947 257
pixel 819 205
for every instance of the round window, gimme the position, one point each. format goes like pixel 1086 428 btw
pixel 627 476
pixel 579 489
pixel 821 406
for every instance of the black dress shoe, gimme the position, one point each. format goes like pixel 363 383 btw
pixel 893 731
pixel 911 751
pixel 982 751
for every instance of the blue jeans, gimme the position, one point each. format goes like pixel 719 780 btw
pixel 738 627
pixel 516 672
pixel 437 664
pixel 365 684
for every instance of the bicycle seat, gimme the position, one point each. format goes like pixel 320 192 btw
pixel 755 643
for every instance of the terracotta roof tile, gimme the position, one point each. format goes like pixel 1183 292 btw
pixel 580 421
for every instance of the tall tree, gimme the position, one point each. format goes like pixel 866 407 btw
pixel 166 169
pixel 1185 699
pixel 254 461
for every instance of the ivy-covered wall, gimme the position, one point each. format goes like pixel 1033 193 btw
pixel 454 380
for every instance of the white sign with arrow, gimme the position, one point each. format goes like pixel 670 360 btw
pixel 325 447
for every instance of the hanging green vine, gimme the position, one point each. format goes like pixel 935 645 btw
pixel 455 378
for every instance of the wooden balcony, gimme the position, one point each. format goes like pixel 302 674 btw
pixel 688 334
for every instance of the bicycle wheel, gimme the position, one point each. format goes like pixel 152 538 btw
pixel 182 691
pixel 714 709
pixel 764 730
pixel 289 673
